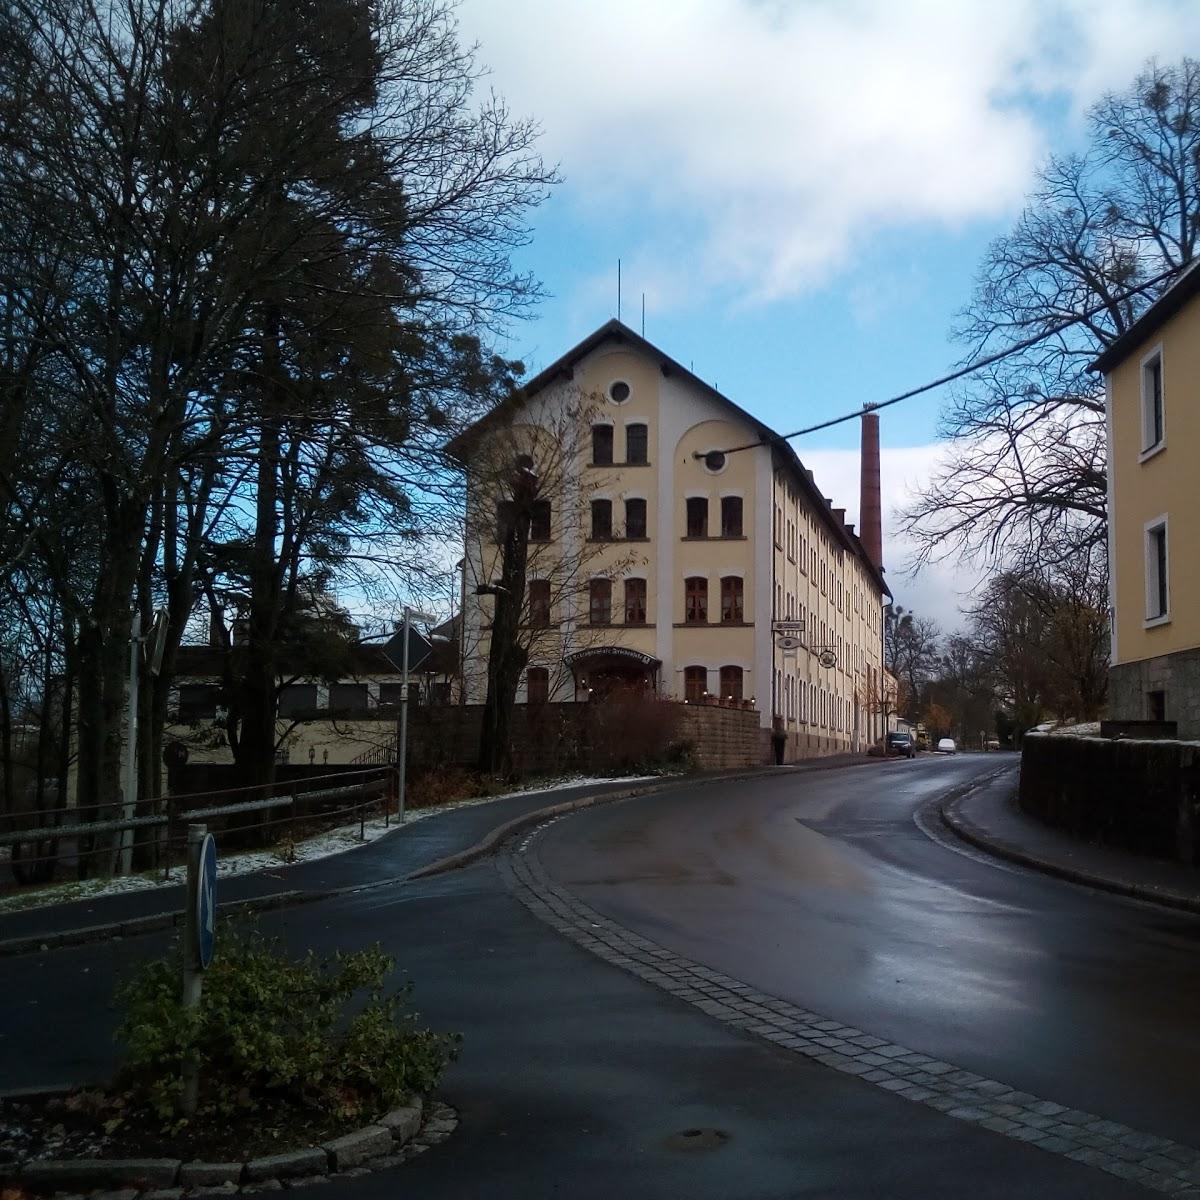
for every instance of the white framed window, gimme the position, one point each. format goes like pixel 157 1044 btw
pixel 1154 430
pixel 1158 574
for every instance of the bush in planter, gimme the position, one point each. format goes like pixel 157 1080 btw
pixel 274 1030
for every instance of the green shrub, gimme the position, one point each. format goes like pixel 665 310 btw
pixel 271 1030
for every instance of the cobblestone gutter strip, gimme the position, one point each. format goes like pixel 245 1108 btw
pixel 392 1140
pixel 962 826
pixel 1156 1163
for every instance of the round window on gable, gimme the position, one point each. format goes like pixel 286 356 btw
pixel 618 392
pixel 715 461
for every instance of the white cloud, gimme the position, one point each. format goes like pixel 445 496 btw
pixel 752 145
pixel 939 590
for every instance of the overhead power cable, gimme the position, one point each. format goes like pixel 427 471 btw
pixel 969 369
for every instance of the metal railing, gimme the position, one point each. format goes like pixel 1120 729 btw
pixel 376 756
pixel 258 817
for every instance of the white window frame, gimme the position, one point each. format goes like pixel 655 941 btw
pixel 1149 448
pixel 1151 570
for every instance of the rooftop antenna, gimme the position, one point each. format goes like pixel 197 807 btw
pixel 643 314
pixel 618 289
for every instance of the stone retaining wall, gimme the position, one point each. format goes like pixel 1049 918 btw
pixel 1178 675
pixel 1142 796
pixel 724 738
pixel 559 737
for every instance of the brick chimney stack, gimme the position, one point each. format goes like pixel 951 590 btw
pixel 870 513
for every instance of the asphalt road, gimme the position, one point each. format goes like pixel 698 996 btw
pixel 823 891
pixel 575 1075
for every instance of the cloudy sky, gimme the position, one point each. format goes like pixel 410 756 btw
pixel 801 189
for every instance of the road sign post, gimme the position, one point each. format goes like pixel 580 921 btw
pixel 413 651
pixel 402 749
pixel 199 934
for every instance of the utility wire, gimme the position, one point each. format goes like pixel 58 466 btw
pixel 970 368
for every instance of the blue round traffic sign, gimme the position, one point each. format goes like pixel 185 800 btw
pixel 206 900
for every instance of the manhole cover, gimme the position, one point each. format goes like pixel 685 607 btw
pixel 697 1139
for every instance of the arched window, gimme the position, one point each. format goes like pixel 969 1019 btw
pixel 731 600
pixel 537 685
pixel 696 597
pixel 731 683
pixel 636 444
pixel 602 445
pixel 635 602
pixel 731 516
pixel 539 603
pixel 600 602
pixel 695 684
pixel 635 518
pixel 697 516
pixel 539 521
pixel 601 519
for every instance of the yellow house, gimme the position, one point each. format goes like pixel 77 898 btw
pixel 681 547
pixel 1152 389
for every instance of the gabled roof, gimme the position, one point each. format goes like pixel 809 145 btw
pixel 1158 314
pixel 616 331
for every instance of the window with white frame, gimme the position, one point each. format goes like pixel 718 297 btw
pixel 1158 594
pixel 1153 429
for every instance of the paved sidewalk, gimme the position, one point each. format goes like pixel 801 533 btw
pixel 412 846
pixel 989 819
pixel 392 858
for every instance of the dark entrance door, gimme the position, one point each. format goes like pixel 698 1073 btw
pixel 605 671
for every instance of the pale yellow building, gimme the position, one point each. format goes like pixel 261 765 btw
pixel 1152 389
pixel 684 549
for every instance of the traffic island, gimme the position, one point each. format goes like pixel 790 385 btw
pixel 277 1070
pixel 390 1140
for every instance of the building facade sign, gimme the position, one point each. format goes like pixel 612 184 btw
pixel 598 653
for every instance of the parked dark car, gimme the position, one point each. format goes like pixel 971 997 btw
pixel 900 742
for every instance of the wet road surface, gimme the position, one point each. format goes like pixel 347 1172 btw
pixel 574 1075
pixel 822 890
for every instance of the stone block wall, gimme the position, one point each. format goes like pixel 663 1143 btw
pixel 723 738
pixel 1142 796
pixel 1178 675
pixel 561 737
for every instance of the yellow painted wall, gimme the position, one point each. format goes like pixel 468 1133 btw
pixel 682 422
pixel 1168 482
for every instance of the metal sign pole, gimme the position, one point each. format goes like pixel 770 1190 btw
pixel 129 808
pixel 193 973
pixel 402 755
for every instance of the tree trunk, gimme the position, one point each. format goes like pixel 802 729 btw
pixel 256 749
pixel 6 741
pixel 507 658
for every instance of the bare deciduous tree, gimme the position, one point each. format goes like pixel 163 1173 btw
pixel 910 651
pixel 247 248
pixel 530 518
pixel 1025 477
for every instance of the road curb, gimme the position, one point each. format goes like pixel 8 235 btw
pixel 393 1139
pixel 962 827
pixel 34 943
pixel 498 836
pixel 152 923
